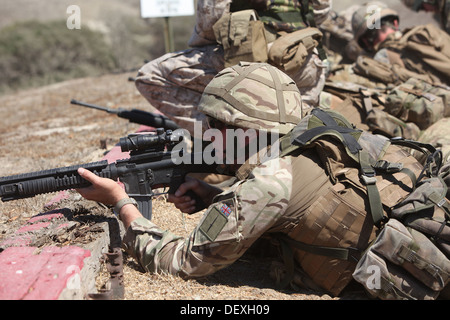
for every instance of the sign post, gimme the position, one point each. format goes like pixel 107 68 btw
pixel 166 9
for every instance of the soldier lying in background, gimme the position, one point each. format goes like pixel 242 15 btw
pixel 173 83
pixel 403 88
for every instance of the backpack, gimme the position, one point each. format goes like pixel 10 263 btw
pixel 425 49
pixel 290 50
pixel 424 52
pixel 419 102
pixel 379 191
pixel 385 72
pixel 242 36
pixel 416 239
pixel 365 107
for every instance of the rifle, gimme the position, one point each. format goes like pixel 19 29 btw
pixel 150 166
pixel 135 115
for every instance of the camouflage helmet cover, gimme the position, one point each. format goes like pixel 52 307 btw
pixel 367 15
pixel 253 95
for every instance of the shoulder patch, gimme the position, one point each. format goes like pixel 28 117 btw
pixel 214 223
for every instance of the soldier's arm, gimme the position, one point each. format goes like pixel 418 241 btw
pixel 108 192
pixel 236 219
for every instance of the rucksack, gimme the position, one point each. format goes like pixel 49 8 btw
pixel 419 102
pixel 425 49
pixel 365 107
pixel 375 185
pixel 416 239
pixel 290 51
pixel 242 36
pixel 384 72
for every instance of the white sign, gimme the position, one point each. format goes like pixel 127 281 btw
pixel 166 8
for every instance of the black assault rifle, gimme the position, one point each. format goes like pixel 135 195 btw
pixel 135 115
pixel 150 165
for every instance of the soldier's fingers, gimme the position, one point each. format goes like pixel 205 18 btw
pixel 88 175
pixel 184 203
pixel 190 184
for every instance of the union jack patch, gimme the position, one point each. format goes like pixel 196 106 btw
pixel 226 210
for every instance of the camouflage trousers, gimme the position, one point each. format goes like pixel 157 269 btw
pixel 174 83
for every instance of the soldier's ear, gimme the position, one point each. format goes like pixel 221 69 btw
pixel 396 24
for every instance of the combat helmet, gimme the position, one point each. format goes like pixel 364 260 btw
pixel 255 96
pixel 366 17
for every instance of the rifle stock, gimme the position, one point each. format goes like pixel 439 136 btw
pixel 149 166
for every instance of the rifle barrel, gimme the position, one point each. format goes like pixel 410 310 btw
pixel 135 115
pixel 46 181
pixel 93 106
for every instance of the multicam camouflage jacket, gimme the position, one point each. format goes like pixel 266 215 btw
pixel 263 204
pixel 291 198
pixel 281 15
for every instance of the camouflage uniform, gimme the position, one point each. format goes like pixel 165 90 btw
pixel 174 82
pixel 399 48
pixel 251 207
pixel 310 196
pixel 239 216
pixel 387 68
pixel 339 40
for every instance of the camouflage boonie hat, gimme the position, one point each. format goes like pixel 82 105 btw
pixel 253 95
pixel 366 17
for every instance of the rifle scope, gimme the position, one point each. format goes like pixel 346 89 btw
pixel 158 141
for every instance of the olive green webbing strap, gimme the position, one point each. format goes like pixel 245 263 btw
pixel 330 252
pixel 441 202
pixel 390 167
pixel 432 154
pixel 368 177
pixel 426 148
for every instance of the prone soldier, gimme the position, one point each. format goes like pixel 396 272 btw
pixel 311 197
pixel 403 76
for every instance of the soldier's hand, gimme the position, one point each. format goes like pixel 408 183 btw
pixel 203 190
pixel 102 190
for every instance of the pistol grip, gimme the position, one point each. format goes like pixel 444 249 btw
pixel 199 204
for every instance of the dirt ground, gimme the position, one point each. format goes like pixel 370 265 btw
pixel 40 129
